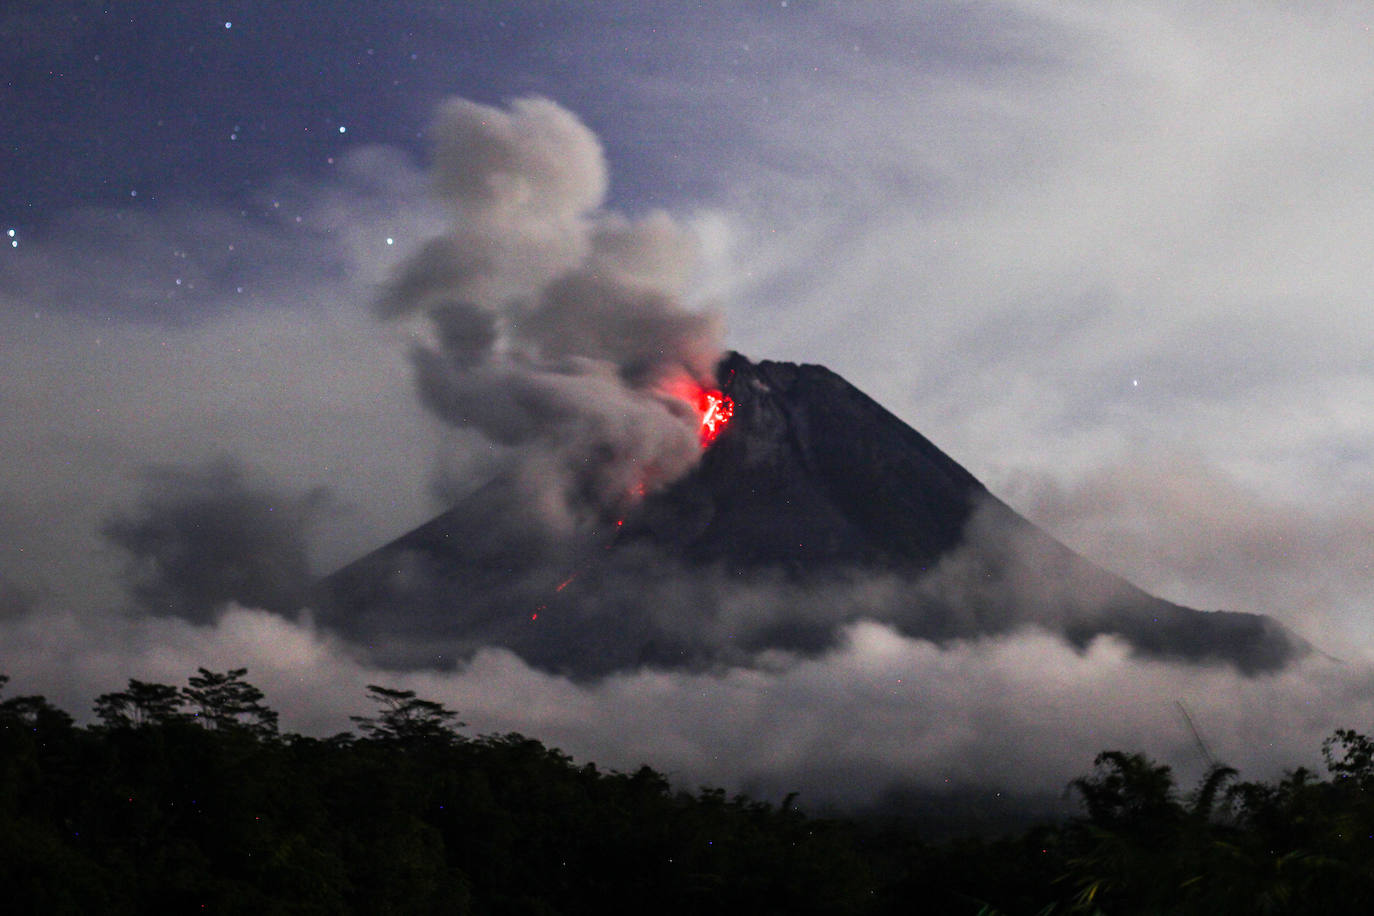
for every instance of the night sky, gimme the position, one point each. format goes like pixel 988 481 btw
pixel 1112 257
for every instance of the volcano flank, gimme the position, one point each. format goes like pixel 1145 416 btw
pixel 810 509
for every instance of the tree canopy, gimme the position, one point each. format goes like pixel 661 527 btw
pixel 190 799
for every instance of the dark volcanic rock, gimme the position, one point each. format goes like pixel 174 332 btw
pixel 812 474
pixel 814 508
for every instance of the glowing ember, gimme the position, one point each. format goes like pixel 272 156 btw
pixel 716 410
pixel 713 406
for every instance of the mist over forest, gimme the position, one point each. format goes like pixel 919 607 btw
pixel 191 797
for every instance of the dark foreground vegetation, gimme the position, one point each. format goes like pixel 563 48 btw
pixel 189 800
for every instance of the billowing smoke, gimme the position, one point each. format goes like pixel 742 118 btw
pixel 552 326
pixel 14 600
pixel 202 537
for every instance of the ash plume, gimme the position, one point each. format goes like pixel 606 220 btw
pixel 550 325
pixel 202 537
pixel 15 601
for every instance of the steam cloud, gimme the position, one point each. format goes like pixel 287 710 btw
pixel 555 327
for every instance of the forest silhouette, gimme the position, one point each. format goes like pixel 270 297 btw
pixel 190 799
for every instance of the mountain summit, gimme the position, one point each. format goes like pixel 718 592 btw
pixel 812 507
pixel 811 474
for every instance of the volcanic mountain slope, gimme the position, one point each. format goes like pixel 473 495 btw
pixel 814 507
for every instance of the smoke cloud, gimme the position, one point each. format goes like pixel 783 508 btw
pixel 202 537
pixel 14 601
pixel 553 327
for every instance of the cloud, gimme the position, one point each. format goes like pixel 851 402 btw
pixel 1090 236
pixel 1180 526
pixel 536 163
pixel 176 267
pixel 203 537
pixel 1022 713
pixel 1147 164
pixel 14 600
pixel 610 600
pixel 556 328
pixel 265 352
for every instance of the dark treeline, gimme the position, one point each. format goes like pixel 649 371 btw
pixel 189 799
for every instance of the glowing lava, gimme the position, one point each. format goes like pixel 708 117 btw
pixel 716 410
pixel 713 406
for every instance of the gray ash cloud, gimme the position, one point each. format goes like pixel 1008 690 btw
pixel 201 537
pixel 552 326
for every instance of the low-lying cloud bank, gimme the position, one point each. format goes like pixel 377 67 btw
pixel 1021 713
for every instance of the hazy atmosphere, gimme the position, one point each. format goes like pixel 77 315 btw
pixel 278 285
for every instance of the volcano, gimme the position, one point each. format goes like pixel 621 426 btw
pixel 812 507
